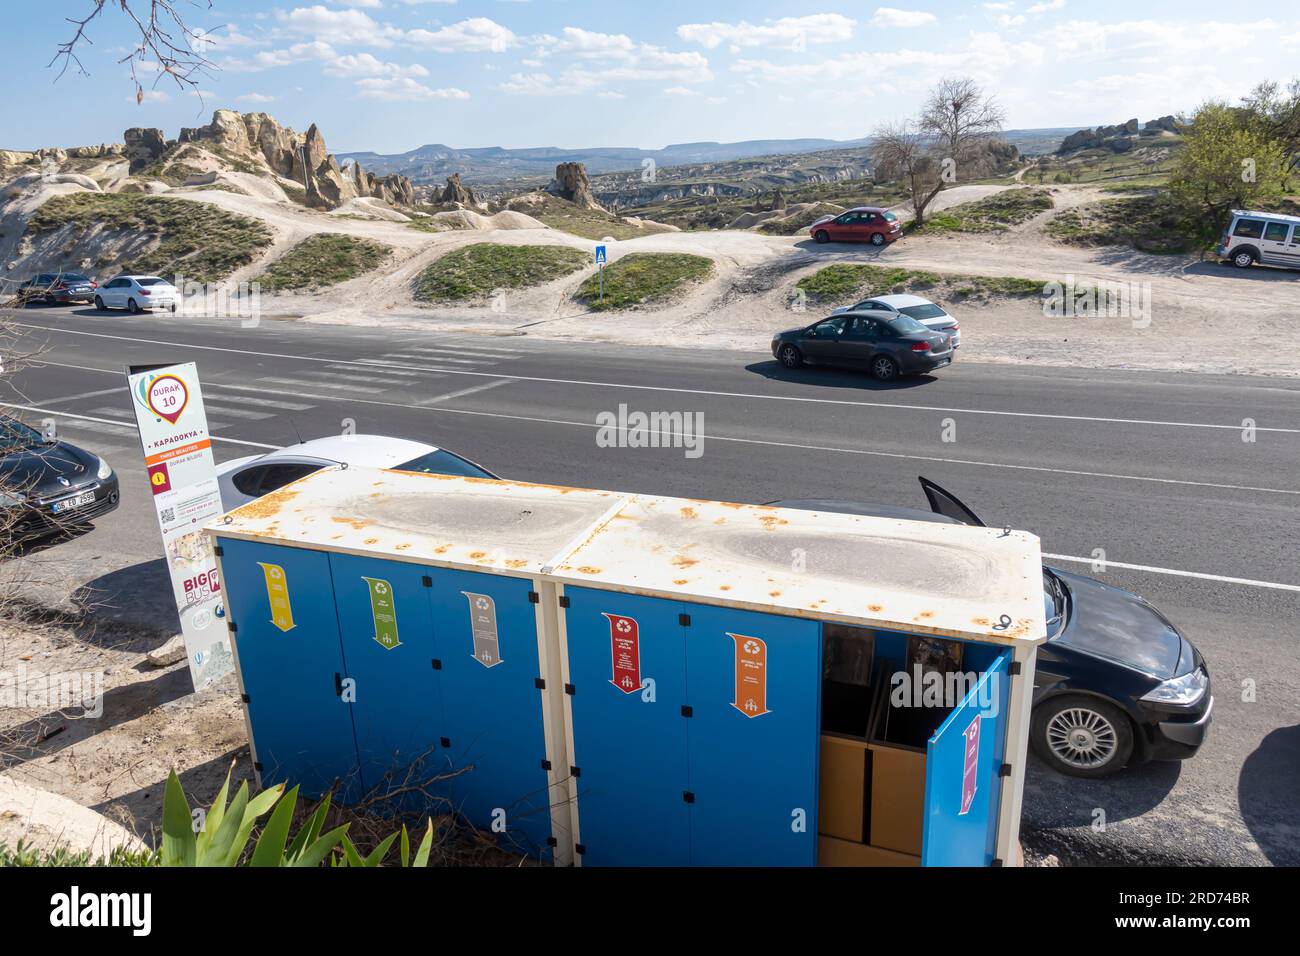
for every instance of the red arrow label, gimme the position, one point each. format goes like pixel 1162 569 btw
pixel 624 652
pixel 751 675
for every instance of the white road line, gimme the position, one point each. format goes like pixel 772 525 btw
pixel 244 399
pixel 131 427
pixel 73 398
pixel 244 413
pixel 1248 582
pixel 297 382
pixel 438 349
pixel 352 368
pixel 758 396
pixel 449 355
pixel 114 412
pixel 385 362
pixel 472 390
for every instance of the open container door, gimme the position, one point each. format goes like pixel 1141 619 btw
pixel 963 783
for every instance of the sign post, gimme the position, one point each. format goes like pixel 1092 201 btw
pixel 183 478
pixel 600 262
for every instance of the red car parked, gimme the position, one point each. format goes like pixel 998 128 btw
pixel 872 224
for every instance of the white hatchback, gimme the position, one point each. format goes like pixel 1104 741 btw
pixel 932 316
pixel 137 293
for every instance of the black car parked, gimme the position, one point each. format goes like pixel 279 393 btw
pixel 48 485
pixel 887 346
pixel 1116 684
pixel 58 287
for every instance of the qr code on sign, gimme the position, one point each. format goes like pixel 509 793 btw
pixel 167 514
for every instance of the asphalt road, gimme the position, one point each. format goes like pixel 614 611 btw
pixel 1150 470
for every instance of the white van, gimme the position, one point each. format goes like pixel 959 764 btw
pixel 1265 237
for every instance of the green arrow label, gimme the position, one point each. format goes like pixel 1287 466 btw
pixel 384 612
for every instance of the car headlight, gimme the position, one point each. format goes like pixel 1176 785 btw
pixel 1180 690
pixel 105 470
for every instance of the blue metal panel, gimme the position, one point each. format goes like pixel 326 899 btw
pixel 302 728
pixel 755 684
pixel 629 741
pixel 962 780
pixel 397 709
pixel 486 633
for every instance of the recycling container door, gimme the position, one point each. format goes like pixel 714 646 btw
pixel 387 630
pixel 754 733
pixel 627 674
pixel 281 610
pixel 485 627
pixel 963 782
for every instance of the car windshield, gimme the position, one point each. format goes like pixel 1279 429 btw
pixel 905 325
pixel 890 217
pixel 74 277
pixel 151 280
pixel 15 436
pixel 927 311
pixel 1054 603
pixel 442 462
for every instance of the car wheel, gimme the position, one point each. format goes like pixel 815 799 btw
pixel 99 304
pixel 884 369
pixel 172 307
pixel 1243 260
pixel 789 356
pixel 877 238
pixel 822 236
pixel 1082 736
pixel 132 306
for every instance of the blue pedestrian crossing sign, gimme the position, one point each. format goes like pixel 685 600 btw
pixel 600 255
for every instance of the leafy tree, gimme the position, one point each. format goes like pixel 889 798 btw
pixel 1232 158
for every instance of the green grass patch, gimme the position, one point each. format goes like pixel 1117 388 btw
pixel 643 277
pixel 995 213
pixel 474 271
pixel 194 239
pixel 427 224
pixel 1150 223
pixel 845 283
pixel 323 260
pixel 595 224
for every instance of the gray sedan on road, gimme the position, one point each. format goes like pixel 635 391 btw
pixel 887 345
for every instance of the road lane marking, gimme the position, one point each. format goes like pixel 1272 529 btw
pixel 472 390
pixel 668 389
pixel 72 398
pixel 1248 582
pixel 132 427
pixel 211 387
pixel 245 413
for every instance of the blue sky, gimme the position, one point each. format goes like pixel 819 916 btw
pixel 389 75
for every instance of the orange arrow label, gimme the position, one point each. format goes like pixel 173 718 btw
pixel 751 675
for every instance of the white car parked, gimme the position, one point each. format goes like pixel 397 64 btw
pixel 137 293
pixel 914 307
pixel 247 479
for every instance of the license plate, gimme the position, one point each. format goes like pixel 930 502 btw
pixel 70 504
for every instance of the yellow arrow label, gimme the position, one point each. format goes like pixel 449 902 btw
pixel 277 593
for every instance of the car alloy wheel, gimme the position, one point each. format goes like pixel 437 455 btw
pixel 790 356
pixel 132 306
pixel 1243 260
pixel 884 368
pixel 877 238
pixel 99 304
pixel 821 235
pixel 1082 738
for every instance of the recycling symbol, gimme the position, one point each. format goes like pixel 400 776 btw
pixel 752 647
pixel 381 587
pixel 481 603
pixel 276 573
pixel 623 625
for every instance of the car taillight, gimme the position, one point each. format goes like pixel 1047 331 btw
pixel 921 347
pixel 94 284
pixel 955 328
pixel 145 292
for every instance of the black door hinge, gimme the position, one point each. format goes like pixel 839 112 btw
pixel 216 549
pixel 427 581
pixel 245 698
pixel 233 627
pixel 437 664
pixel 552 841
pixel 534 597
pixel 446 742
pixel 579 849
pixel 687 711
pixel 546 765
pixel 1004 770
pixel 539 683
pixel 575 771
pixel 570 689
pixel 564 600
pixel 1014 669
pixel 996 862
pixel 688 796
pixel 257 765
pixel 684 620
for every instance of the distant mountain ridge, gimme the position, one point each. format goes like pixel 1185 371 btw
pixel 434 162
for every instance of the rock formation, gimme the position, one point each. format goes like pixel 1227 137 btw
pixel 571 183
pixel 1120 138
pixel 778 200
pixel 143 147
pixel 456 193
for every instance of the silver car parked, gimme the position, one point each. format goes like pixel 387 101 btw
pixel 929 314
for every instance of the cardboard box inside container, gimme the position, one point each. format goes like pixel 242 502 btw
pixel 843 788
pixel 833 852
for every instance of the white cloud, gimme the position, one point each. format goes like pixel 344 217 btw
pixel 271 59
pixel 363 64
pixel 1045 7
pixel 337 27
pixel 620 59
pixel 530 84
pixel 475 35
pixel 680 91
pixel 796 32
pixel 892 17
pixel 152 96
pixel 255 98
pixel 403 89
pixel 611 95
pixel 369 4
